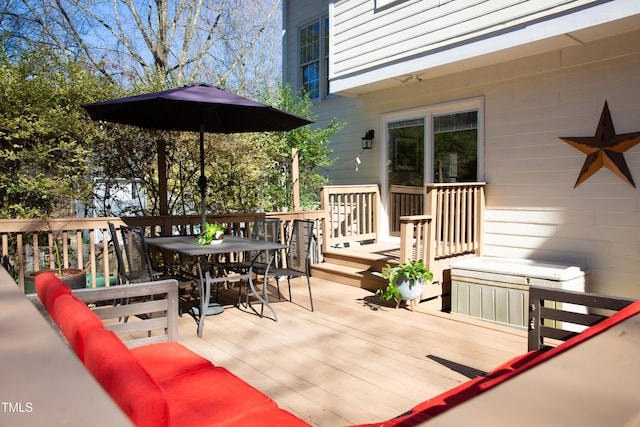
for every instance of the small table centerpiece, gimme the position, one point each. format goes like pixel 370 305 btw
pixel 211 235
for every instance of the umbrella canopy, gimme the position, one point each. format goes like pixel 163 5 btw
pixel 197 108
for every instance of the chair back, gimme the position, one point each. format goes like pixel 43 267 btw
pixel 137 254
pixel 266 229
pixel 122 271
pixel 300 240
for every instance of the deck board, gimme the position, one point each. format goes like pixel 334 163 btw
pixel 352 360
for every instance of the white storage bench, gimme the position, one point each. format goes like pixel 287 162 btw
pixel 497 289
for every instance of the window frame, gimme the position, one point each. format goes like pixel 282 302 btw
pixel 322 59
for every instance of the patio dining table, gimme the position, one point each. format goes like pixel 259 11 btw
pixel 187 245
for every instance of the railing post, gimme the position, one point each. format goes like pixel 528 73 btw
pixel 430 250
pixel 431 210
pixel 326 227
pixel 416 228
pixel 376 214
pixel 406 239
pixel 479 218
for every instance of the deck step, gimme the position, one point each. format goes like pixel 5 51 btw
pixel 360 266
pixel 349 275
pixel 364 259
pixel 357 266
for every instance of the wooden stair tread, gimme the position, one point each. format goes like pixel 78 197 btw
pixel 339 268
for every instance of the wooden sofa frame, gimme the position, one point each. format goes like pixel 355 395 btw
pixel 154 314
pixel 543 319
pixel 153 309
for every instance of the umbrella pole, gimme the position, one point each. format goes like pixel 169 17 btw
pixel 203 179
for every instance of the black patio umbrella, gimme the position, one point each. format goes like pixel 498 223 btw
pixel 197 108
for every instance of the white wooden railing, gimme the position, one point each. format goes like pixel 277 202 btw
pixel 450 226
pixel 404 201
pixel 351 213
pixel 84 242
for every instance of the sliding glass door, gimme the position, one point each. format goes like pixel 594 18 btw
pixel 436 144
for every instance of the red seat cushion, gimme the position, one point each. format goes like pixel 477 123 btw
pixel 49 288
pixel 75 321
pixel 169 360
pixel 212 397
pixel 128 384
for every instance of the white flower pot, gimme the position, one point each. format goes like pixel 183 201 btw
pixel 409 289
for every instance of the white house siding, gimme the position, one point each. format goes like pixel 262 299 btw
pixel 533 211
pixel 359 117
pixel 297 14
pixel 365 37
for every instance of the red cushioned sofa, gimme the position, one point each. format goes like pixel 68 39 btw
pixel 157 382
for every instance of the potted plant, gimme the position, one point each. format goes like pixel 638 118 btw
pixel 405 281
pixel 75 278
pixel 211 234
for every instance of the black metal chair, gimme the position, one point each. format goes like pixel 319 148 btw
pixel 267 229
pixel 138 260
pixel 122 270
pixel 125 275
pixel 297 262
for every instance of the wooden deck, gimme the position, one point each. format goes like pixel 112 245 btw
pixel 352 360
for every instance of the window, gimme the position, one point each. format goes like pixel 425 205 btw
pixel 314 59
pixel 440 143
pixel 455 147
pixel 406 152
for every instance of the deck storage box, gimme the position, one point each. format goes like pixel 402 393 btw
pixel 497 289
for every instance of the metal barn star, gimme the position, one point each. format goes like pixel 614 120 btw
pixel 604 149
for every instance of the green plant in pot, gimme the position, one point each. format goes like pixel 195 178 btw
pixel 405 282
pixel 75 278
pixel 211 234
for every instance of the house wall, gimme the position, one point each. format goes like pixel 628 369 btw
pixel 366 37
pixel 297 14
pixel 530 100
pixel 533 210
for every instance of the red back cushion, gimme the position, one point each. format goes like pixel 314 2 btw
pixel 128 384
pixel 75 320
pixel 49 288
pixel 168 360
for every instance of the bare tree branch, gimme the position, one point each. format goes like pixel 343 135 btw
pixel 164 42
pixel 255 38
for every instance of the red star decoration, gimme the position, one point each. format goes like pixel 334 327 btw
pixel 604 149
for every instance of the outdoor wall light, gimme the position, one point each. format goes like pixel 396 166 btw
pixel 366 140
